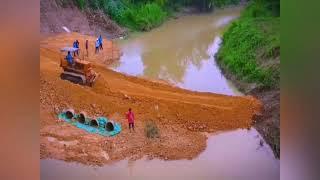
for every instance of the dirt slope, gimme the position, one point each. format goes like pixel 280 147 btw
pixel 183 116
pixel 54 14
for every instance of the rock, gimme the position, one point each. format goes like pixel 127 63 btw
pixel 105 155
pixel 261 142
pixel 126 96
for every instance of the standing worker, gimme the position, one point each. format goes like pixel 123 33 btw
pixel 77 46
pixel 87 46
pixel 97 45
pixel 130 117
pixel 100 42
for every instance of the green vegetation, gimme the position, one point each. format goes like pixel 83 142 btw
pixel 81 3
pixel 251 45
pixel 151 130
pixel 143 15
pixel 222 3
pixel 140 15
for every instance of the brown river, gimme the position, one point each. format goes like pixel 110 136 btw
pixel 181 52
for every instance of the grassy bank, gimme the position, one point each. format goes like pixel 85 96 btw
pixel 251 47
pixel 250 56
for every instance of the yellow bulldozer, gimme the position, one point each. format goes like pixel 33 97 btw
pixel 79 71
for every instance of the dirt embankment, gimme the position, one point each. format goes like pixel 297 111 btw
pixel 183 117
pixel 54 14
pixel 268 122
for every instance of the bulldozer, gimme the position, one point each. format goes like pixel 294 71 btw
pixel 80 71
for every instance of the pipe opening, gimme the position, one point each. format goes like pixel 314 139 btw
pixel 69 114
pixel 94 123
pixel 109 126
pixel 81 118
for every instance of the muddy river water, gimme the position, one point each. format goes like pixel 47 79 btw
pixel 181 51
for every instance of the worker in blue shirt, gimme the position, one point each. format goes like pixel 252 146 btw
pixel 100 42
pixel 97 45
pixel 69 58
pixel 75 46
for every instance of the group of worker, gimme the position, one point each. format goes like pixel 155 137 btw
pixel 76 44
pixel 99 44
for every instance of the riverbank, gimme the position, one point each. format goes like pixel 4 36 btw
pixel 268 122
pixel 184 117
pixel 254 64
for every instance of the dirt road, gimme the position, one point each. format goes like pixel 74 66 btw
pixel 183 116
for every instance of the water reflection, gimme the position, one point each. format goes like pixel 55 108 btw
pixel 206 76
pixel 131 61
pixel 229 155
pixel 181 52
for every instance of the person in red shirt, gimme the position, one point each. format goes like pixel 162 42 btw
pixel 130 117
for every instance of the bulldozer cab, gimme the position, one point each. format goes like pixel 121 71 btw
pixel 78 64
pixel 79 70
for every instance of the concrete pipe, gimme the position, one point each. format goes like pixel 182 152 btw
pixel 94 123
pixel 69 113
pixel 109 126
pixel 82 118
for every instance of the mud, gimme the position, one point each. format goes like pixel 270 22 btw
pixel 268 124
pixel 182 116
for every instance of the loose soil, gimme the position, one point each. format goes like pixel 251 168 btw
pixel 183 117
pixel 54 14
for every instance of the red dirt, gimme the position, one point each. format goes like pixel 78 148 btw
pixel 182 116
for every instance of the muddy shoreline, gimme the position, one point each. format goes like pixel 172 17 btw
pixel 268 122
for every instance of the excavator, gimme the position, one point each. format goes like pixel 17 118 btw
pixel 80 72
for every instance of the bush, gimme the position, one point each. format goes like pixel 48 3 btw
pixel 222 3
pixel 137 15
pixel 256 9
pixel 94 4
pixel 144 17
pixel 114 8
pixel 151 130
pixel 251 46
pixel 81 3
